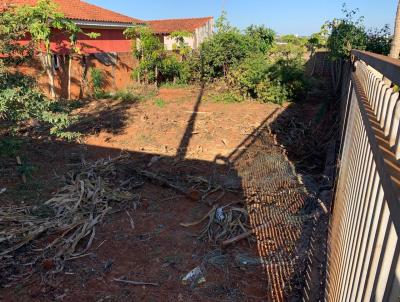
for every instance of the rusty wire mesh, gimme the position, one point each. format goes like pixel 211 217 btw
pixel 281 211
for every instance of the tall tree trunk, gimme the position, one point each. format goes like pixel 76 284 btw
pixel 69 75
pixel 48 67
pixel 395 50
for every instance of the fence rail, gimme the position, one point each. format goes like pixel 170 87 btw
pixel 364 247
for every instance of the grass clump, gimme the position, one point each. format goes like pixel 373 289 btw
pixel 160 103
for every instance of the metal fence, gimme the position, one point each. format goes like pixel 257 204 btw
pixel 364 247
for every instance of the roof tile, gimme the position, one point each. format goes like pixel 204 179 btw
pixel 171 25
pixel 80 10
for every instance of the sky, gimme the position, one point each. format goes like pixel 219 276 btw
pixel 290 16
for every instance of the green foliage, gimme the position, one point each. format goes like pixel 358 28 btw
pixel 346 34
pixel 157 64
pixel 9 146
pixel 229 47
pixel 289 73
pixel 170 68
pixel 126 96
pixel 149 46
pixel 379 40
pixel 272 91
pixel 247 76
pixel 98 82
pixel 227 98
pixel 249 61
pixel 260 38
pixel 317 40
pixel 21 101
pixel 159 103
pixel 349 33
pixel 267 80
pixel 226 48
pixel 180 45
pixel 150 52
pixel 293 39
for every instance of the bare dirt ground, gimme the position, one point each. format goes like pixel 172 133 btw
pixel 217 128
pixel 229 145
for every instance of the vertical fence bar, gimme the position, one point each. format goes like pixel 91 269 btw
pixel 363 244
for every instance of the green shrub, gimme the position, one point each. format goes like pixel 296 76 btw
pixel 346 34
pixel 126 96
pixel 98 83
pixel 228 98
pixel 272 91
pixel 177 84
pixel 379 40
pixel 9 146
pixel 170 68
pixel 20 101
pixel 260 38
pixel 270 81
pixel 246 77
pixel 290 74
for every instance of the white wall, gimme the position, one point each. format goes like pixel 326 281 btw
pixel 203 33
pixel 194 42
pixel 170 42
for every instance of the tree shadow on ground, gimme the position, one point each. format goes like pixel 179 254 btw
pixel 106 115
pixel 261 174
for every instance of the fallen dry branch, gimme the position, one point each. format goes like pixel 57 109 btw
pixel 135 282
pixel 193 187
pixel 223 223
pixel 244 235
pixel 161 180
pixel 70 217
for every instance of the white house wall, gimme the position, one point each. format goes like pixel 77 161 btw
pixel 194 42
pixel 203 33
pixel 169 42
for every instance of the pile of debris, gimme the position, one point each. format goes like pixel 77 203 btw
pixel 69 218
pixel 224 224
pixel 64 227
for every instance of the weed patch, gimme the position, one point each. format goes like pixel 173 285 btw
pixel 159 103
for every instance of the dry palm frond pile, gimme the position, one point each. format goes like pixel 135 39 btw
pixel 223 223
pixel 69 218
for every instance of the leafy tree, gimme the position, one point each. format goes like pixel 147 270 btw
pixel 20 99
pixel 260 38
pixel 227 47
pixel 379 40
pixel 37 22
pixel 346 34
pixel 349 33
pixel 180 45
pixel 154 61
pixel 294 40
pixel 317 40
pixel 149 50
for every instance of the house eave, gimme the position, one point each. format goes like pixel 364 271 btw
pixel 101 24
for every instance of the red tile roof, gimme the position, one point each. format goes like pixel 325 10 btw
pixel 171 25
pixel 80 10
